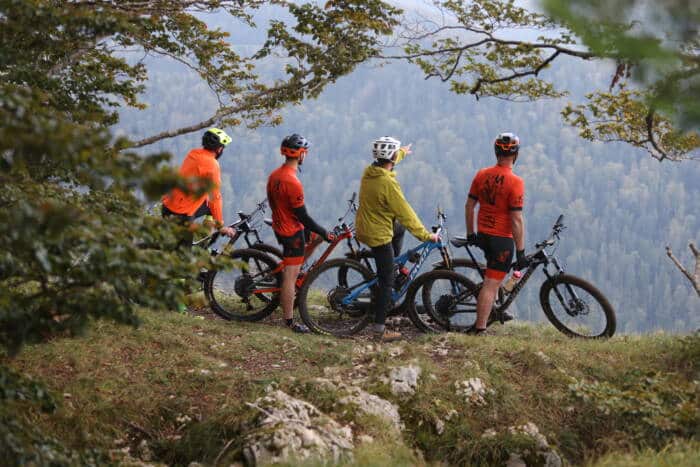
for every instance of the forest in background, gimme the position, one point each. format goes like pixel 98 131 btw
pixel 622 207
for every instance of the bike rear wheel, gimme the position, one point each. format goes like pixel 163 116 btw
pixel 272 251
pixel 324 288
pixel 249 291
pixel 441 300
pixel 577 308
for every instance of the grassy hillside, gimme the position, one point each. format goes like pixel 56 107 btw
pixel 174 391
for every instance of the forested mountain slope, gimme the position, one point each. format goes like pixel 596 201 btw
pixel 622 207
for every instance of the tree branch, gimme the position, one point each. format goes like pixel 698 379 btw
pixel 534 45
pixel 693 278
pixel 650 133
pixel 535 72
pixel 250 103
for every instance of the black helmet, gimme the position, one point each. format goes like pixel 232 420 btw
pixel 507 144
pixel 215 138
pixel 294 145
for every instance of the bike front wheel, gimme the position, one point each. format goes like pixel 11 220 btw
pixel 321 298
pixel 577 308
pixel 249 290
pixel 447 301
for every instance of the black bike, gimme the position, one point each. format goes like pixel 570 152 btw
pixel 574 306
pixel 220 285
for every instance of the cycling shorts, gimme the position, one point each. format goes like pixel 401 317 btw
pixel 499 253
pixel 294 245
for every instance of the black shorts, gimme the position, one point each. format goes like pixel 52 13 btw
pixel 202 210
pixel 293 246
pixel 499 253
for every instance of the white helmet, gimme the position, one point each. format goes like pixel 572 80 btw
pixel 385 148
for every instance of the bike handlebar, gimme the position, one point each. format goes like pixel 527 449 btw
pixel 553 236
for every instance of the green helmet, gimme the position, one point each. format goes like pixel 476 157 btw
pixel 214 137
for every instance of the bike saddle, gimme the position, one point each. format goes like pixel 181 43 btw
pixel 268 221
pixel 459 241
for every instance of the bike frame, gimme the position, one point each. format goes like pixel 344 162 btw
pixel 539 258
pixel 243 228
pixel 343 232
pixel 423 250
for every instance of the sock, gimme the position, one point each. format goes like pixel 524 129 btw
pixel 378 328
pixel 289 322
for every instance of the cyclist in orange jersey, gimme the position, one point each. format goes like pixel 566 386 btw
pixel 500 195
pixel 203 163
pixel 295 230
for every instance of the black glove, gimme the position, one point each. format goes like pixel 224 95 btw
pixel 523 261
pixel 472 239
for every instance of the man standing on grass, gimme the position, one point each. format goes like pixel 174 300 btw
pixel 500 195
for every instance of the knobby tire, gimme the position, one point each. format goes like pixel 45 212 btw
pixel 559 281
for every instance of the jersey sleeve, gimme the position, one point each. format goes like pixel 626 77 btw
pixel 516 198
pixel 404 213
pixel 295 192
pixel 474 189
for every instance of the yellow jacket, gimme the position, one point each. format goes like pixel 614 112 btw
pixel 382 201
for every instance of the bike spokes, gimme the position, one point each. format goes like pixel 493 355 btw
pixel 247 291
pixel 337 300
pixel 577 308
pixel 446 300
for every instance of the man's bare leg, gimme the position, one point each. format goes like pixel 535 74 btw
pixel 289 277
pixel 485 301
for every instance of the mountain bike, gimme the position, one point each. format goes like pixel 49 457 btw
pixel 336 297
pixel 574 306
pixel 247 228
pixel 250 290
pixel 216 282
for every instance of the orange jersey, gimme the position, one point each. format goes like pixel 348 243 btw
pixel 285 193
pixel 498 191
pixel 198 163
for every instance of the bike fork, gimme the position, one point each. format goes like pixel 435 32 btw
pixel 569 289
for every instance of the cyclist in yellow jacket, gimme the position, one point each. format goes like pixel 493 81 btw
pixel 382 206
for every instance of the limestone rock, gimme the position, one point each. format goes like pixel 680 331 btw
pixel 373 405
pixel 365 402
pixel 404 380
pixel 545 454
pixel 544 358
pixel 515 461
pixel 287 428
pixel 472 390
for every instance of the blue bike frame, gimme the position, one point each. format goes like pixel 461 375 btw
pixel 424 250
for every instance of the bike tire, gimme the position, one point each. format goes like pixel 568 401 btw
pixel 222 296
pixel 566 279
pixel 461 263
pixel 470 270
pixel 273 251
pixel 360 318
pixel 428 319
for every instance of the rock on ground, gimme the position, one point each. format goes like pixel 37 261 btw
pixel 472 390
pixel 404 380
pixel 365 402
pixel 545 453
pixel 287 428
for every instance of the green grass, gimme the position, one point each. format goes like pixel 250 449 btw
pixel 181 382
